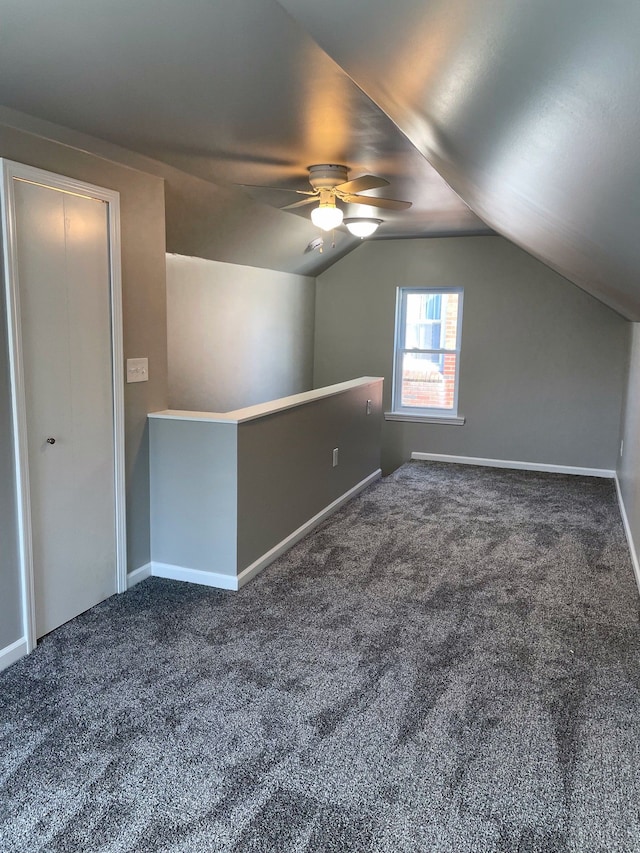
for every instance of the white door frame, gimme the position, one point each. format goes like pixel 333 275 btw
pixel 12 171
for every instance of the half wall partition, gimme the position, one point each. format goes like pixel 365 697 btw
pixel 232 491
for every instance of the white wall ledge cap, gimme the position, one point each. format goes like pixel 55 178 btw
pixel 251 413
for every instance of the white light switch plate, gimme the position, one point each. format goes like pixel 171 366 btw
pixel 137 369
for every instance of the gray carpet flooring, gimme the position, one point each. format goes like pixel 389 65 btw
pixel 451 663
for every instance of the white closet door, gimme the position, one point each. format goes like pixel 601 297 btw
pixel 63 280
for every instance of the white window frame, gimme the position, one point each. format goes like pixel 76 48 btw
pixel 420 413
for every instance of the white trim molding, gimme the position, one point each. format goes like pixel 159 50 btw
pixel 13 652
pixel 138 575
pixel 400 350
pixel 12 172
pixel 521 466
pixel 628 533
pixel 197 576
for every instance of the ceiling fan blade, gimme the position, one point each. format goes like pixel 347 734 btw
pixel 300 203
pixel 366 182
pixel 279 189
pixel 385 203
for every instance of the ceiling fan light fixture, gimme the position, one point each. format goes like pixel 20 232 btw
pixel 326 216
pixel 361 226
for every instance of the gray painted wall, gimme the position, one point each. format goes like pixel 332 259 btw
pixel 194 502
pixel 237 335
pixel 144 315
pixel 285 473
pixel 542 366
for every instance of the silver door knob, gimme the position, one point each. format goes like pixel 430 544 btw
pixel 51 441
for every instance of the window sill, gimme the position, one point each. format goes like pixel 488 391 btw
pixel 424 419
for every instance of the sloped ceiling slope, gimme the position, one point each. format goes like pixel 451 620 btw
pixel 528 108
pixel 225 93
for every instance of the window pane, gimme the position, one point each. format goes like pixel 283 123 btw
pixel 423 335
pixel 428 335
pixel 428 380
pixel 431 321
pixel 450 320
pixel 424 306
pixel 433 307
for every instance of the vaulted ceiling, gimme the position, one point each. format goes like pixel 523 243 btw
pixel 514 115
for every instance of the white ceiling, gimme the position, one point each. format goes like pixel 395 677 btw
pixel 234 93
pixel 528 108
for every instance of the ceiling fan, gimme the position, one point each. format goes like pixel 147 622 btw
pixel 329 184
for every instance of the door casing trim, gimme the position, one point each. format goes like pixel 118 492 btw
pixel 11 172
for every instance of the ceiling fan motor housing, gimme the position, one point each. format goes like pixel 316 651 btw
pixel 327 176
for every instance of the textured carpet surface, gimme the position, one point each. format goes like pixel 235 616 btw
pixel 451 663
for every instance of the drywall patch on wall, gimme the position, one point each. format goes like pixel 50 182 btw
pixel 237 335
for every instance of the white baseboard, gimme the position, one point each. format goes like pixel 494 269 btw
pixel 627 529
pixel 234 582
pixel 138 575
pixel 12 653
pixel 522 466
pixel 271 555
pixel 182 573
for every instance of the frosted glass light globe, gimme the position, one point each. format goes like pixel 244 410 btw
pixel 326 216
pixel 361 226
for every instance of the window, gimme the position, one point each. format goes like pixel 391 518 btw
pixel 427 353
